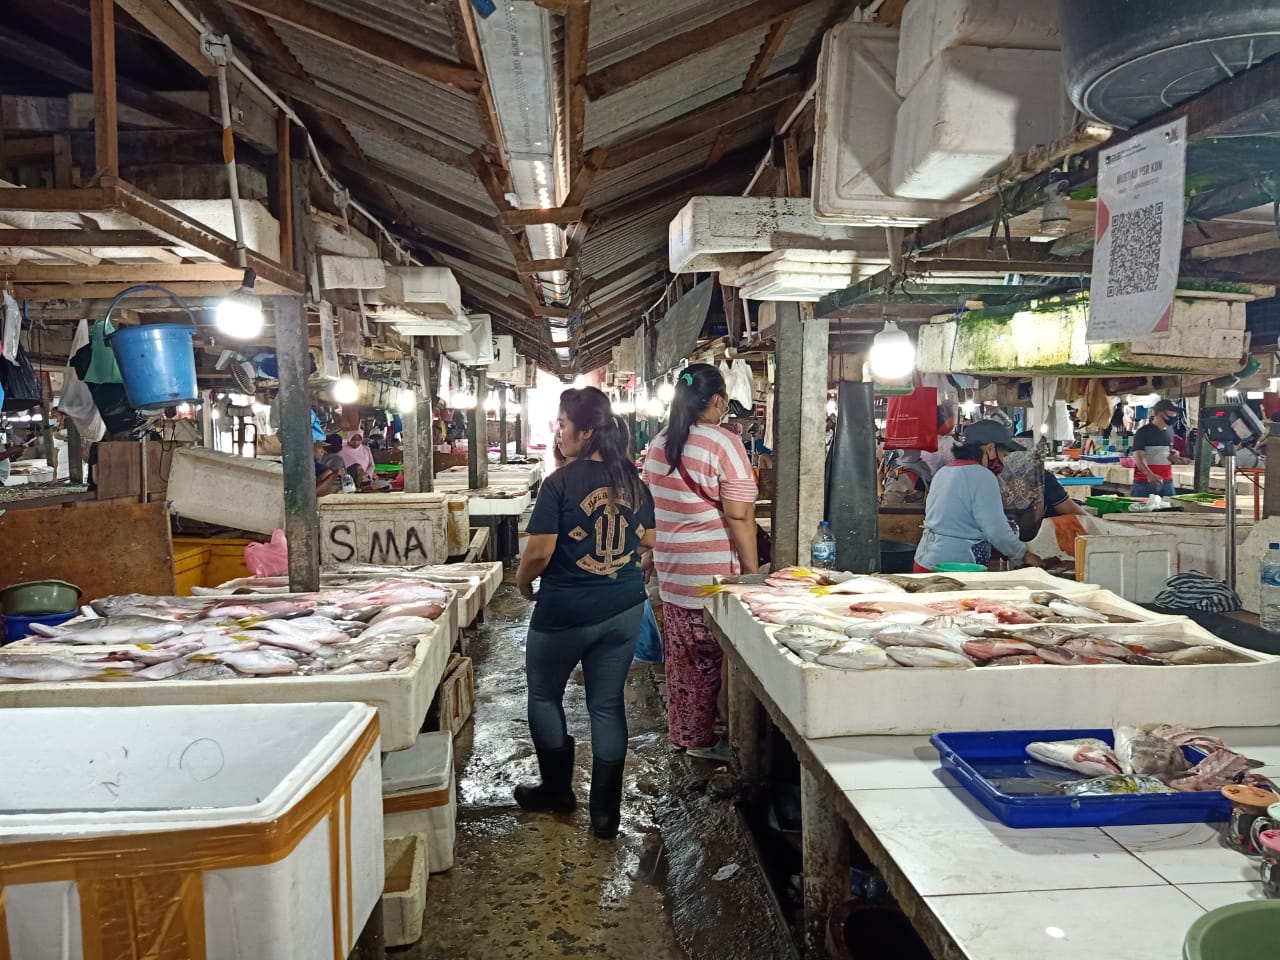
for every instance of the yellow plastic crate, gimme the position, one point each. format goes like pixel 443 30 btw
pixel 223 560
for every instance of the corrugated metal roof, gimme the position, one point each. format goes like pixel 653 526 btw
pixel 459 184
pixel 621 28
pixel 415 21
pixel 446 113
pixel 453 230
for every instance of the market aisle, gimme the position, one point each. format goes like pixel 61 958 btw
pixel 528 887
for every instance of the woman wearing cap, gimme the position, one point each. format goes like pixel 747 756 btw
pixel 964 515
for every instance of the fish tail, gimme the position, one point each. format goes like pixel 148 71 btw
pixel 710 589
pixel 821 591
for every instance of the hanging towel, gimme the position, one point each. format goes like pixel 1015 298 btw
pixel 102 367
pixel 77 399
pixel 1195 591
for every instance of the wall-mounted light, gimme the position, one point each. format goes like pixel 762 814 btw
pixel 239 313
pixel 1055 218
pixel 893 356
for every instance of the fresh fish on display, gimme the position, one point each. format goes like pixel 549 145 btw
pixel 1114 786
pixel 1187 737
pixel 993 649
pixel 258 662
pixel 1096 648
pixel 1059 656
pixel 802 640
pixel 1085 755
pixel 1147 755
pixel 126 629
pixel 927 657
pixel 211 671
pixel 169 669
pixel 791 576
pixel 858 585
pixel 822 621
pixel 362 666
pixel 428 609
pixel 853 655
pixel 1203 655
pixel 905 635
pixel 935 584
pixel 399 627
pixel 1018 659
pixel 1218 769
pixel 166 608
pixel 1077 613
pixel 1140 660
pixel 1151 644
pixel 47 668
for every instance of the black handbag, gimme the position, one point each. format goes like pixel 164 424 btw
pixel 20 383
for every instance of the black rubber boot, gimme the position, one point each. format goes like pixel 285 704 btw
pixel 606 797
pixel 555 793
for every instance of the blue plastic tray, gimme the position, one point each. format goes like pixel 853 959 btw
pixel 1102 457
pixel 974 757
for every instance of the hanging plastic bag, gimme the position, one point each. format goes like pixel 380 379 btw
pixel 911 422
pixel 76 400
pixel 20 383
pixel 268 559
pixel 649 642
pixel 10 327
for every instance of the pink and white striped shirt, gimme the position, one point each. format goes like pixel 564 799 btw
pixel 694 544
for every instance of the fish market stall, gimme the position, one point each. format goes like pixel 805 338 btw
pixel 1020 830
pixel 385 644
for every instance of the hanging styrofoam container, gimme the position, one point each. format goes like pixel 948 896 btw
pixel 624 355
pixel 387 529
pixel 710 227
pixel 226 490
pixel 475 347
pixel 351 273
pixel 431 291
pixel 972 111
pixel 803 276
pixel 261 229
pixel 931 26
pixel 410 324
pixel 857 112
pixel 219 831
pixel 503 365
pixel 334 235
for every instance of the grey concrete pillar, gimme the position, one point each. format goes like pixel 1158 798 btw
pixel 502 425
pixel 301 518
pixel 800 402
pixel 478 438
pixel 522 424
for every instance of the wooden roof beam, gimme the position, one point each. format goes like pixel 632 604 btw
pixel 674 193
pixel 353 35
pixel 519 219
pixel 684 46
pixel 462 23
pixel 577 28
pixel 719 113
pixel 380 173
pixel 768 50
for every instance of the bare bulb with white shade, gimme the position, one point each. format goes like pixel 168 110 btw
pixel 893 355
pixel 239 315
pixel 346 390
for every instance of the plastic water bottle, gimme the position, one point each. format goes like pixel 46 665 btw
pixel 348 484
pixel 1269 606
pixel 824 549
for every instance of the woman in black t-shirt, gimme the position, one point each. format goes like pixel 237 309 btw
pixel 592 522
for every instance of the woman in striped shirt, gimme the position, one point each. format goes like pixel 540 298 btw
pixel 704 495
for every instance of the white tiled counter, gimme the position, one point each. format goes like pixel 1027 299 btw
pixel 1063 893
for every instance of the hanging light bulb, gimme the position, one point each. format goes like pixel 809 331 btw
pixel 406 401
pixel 346 390
pixel 831 408
pixel 666 391
pixel 239 313
pixel 579 382
pixel 968 407
pixel 892 356
pixel 491 402
pixel 656 408
pixel 623 408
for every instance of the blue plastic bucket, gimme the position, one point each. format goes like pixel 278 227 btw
pixel 157 363
pixel 15 627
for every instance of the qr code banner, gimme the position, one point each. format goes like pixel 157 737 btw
pixel 1139 235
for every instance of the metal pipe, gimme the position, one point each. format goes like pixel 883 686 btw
pixel 229 158
pixel 145 468
pixel 1229 462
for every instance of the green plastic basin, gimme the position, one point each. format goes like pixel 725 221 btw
pixel 39 598
pixel 1242 931
pixel 959 568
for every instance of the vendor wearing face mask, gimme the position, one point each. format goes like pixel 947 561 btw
pixel 964 515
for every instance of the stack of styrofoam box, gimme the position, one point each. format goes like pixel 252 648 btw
pixel 981 82
pixel 475 348
pixel 857 113
pixel 804 275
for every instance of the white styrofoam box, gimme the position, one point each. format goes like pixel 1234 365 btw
pixel 803 275
pixel 973 109
pixel 334 235
pixel 388 529
pixel 708 228
pixel 432 291
pixel 475 347
pixel 856 115
pixel 351 273
pixel 505 359
pixel 828 702
pixel 420 795
pixel 261 230
pixel 404 896
pixel 1201 537
pixel 931 26
pixel 254 830
pixel 223 489
pixel 415 325
pixel 1134 567
pixel 401 697
pixel 624 355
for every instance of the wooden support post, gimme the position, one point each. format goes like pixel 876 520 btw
pixel 522 425
pixel 75 462
pixel 478 439
pixel 748 732
pixel 284 187
pixel 105 133
pixel 502 425
pixel 825 847
pixel 301 517
pixel 631 430
pixel 800 453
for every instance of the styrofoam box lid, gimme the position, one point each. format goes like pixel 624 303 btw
pixel 427 765
pixel 108 771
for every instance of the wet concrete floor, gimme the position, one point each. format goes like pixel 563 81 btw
pixel 530 886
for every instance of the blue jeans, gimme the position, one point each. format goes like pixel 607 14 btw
pixel 605 650
pixel 1144 489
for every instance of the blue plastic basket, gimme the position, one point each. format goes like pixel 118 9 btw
pixel 972 757
pixel 15 627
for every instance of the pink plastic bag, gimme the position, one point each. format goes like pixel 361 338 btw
pixel 268 559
